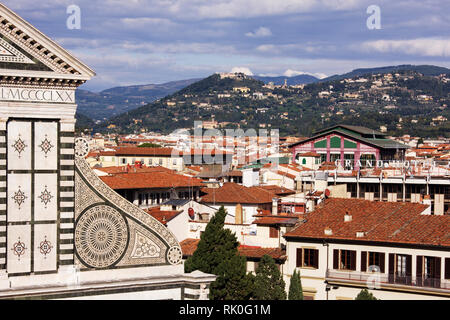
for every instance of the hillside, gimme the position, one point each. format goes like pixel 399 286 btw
pixel 114 101
pixel 291 81
pixel 426 70
pixel 406 102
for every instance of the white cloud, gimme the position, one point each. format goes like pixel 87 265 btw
pixel 243 70
pixel 422 46
pixel 293 73
pixel 261 32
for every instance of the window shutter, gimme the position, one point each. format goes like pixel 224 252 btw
pixel 447 268
pixel 391 267
pixel 363 261
pixel 352 260
pixel 382 258
pixel 408 269
pixel 335 259
pixel 437 268
pixel 419 270
pixel 299 258
pixel 316 259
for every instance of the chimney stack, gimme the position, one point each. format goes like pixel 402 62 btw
pixel 275 206
pixel 347 217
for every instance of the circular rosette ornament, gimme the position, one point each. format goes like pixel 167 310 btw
pixel 101 236
pixel 81 147
pixel 174 255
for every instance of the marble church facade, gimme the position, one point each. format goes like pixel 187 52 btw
pixel 63 232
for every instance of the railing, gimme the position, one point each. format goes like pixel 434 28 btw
pixel 375 279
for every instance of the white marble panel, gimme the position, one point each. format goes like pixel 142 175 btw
pixel 19 249
pixel 19 197
pixel 19 145
pixel 45 196
pixel 45 242
pixel 46 143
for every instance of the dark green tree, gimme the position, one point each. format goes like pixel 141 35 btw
pixel 149 145
pixel 269 283
pixel 217 254
pixel 295 287
pixel 365 295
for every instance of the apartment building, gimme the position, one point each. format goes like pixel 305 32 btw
pixel 396 250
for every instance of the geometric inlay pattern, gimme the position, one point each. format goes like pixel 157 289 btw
pixel 19 197
pixel 45 197
pixel 101 236
pixel 144 247
pixel 19 248
pixel 10 54
pixel 46 146
pixel 174 255
pixel 81 147
pixel 19 145
pixel 45 247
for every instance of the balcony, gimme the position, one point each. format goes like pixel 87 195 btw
pixel 389 281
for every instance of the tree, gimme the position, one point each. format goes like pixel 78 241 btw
pixel 269 283
pixel 149 145
pixel 365 295
pixel 217 253
pixel 295 287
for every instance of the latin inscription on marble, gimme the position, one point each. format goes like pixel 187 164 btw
pixel 37 95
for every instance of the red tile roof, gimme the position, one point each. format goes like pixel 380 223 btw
pixel 150 180
pixel 188 246
pixel 393 222
pixel 137 151
pixel 133 169
pixel 235 193
pixel 163 216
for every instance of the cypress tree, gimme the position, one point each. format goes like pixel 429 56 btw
pixel 217 253
pixel 269 283
pixel 295 287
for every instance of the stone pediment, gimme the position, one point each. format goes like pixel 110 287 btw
pixel 27 54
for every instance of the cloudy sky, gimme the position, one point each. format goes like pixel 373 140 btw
pixel 155 41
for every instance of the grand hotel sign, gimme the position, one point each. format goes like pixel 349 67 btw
pixel 36 95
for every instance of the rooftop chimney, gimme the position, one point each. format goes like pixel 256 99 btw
pixel 360 234
pixel 347 217
pixel 328 231
pixel 275 206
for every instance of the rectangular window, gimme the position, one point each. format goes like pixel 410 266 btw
pixel 273 232
pixel 150 162
pixel 307 258
pixel 347 260
pixel 375 260
pixel 123 160
pixel 160 162
pixel 174 161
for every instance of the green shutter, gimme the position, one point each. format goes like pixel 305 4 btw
pixel 349 144
pixel 335 142
pixel 321 144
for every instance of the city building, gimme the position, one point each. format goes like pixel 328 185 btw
pixel 351 146
pixel 346 245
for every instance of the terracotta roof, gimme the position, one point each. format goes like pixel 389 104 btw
pixel 276 220
pixel 234 193
pixel 394 222
pixel 188 246
pixel 277 190
pixel 163 216
pixel 133 169
pixel 285 174
pixel 137 151
pixel 309 154
pixel 150 180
